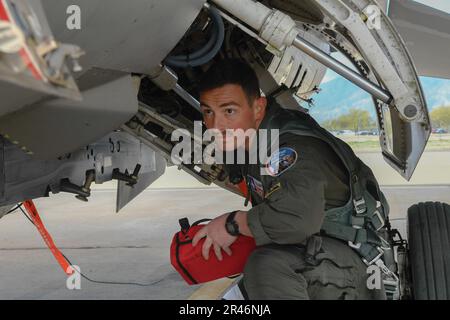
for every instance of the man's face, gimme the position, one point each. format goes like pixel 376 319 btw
pixel 228 107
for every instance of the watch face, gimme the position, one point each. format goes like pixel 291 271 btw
pixel 231 225
pixel 232 228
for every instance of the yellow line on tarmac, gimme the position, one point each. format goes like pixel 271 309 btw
pixel 212 290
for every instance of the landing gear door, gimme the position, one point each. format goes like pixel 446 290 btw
pixel 30 57
pixel 362 31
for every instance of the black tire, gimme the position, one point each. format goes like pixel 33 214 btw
pixel 429 250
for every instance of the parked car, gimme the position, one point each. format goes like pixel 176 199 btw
pixel 367 133
pixel 345 132
pixel 440 131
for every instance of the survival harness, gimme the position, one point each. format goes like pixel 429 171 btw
pixel 362 222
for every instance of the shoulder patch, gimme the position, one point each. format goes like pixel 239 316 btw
pixel 280 161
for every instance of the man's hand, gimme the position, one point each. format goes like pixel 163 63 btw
pixel 216 236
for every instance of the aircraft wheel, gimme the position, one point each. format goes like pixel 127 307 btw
pixel 429 250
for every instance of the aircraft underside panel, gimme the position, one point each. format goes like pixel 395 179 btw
pixel 130 36
pixel 52 128
pixel 116 154
pixel 118 38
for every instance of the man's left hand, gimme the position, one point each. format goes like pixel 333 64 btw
pixel 216 237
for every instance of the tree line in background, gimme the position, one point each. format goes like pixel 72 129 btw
pixel 358 120
pixel 440 117
pixel 355 120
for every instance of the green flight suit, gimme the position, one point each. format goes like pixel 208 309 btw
pixel 292 260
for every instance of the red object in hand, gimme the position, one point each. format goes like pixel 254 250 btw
pixel 191 265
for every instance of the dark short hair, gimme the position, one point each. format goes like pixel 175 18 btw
pixel 231 71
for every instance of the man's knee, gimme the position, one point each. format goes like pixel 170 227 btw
pixel 258 261
pixel 268 274
pixel 266 260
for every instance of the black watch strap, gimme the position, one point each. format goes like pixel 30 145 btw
pixel 231 225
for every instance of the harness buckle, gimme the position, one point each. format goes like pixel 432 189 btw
pixel 353 245
pixel 377 257
pixel 380 221
pixel 360 206
pixel 391 282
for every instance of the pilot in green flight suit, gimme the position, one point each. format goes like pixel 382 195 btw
pixel 300 181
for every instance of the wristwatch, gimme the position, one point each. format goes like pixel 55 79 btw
pixel 231 225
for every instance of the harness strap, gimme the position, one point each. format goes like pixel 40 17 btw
pixel 365 241
pixel 348 233
pixel 343 232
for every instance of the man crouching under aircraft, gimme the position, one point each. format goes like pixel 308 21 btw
pixel 300 254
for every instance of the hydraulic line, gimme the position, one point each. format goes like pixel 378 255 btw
pixel 208 51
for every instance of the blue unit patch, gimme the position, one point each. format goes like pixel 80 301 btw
pixel 256 186
pixel 280 161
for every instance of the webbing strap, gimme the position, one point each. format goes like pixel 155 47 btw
pixel 364 241
pixel 32 211
pixel 357 194
pixel 348 233
pixel 343 232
